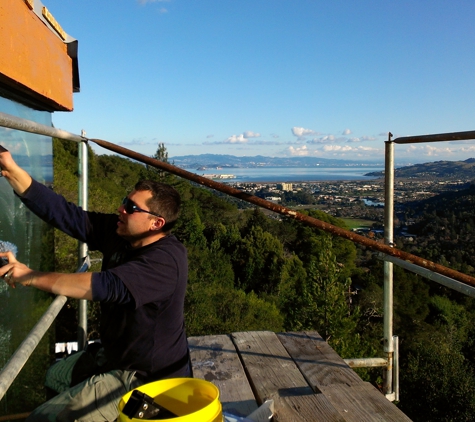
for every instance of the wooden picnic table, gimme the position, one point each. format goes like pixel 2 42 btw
pixel 305 377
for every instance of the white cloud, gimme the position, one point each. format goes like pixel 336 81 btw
pixel 243 139
pixel 324 139
pixel 351 152
pixel 346 132
pixel 431 151
pixel 236 139
pixel 438 151
pixel 343 151
pixel 240 139
pixel 341 139
pixel 365 148
pixel 337 148
pixel 300 132
pixel 250 134
pixel 298 151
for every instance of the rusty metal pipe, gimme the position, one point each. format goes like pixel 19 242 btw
pixel 310 221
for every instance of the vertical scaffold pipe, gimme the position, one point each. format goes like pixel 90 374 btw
pixel 388 266
pixel 396 368
pixel 82 247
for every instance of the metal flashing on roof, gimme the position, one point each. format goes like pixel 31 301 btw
pixel 48 19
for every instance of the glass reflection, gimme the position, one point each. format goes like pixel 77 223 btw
pixel 21 308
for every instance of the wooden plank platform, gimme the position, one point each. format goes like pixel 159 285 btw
pixel 304 376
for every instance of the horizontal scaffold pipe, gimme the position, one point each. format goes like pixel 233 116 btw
pixel 310 221
pixel 454 136
pixel 366 362
pixel 13 122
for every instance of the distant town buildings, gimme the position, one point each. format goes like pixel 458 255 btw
pixel 285 187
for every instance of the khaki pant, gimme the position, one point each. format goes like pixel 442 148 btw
pixel 93 400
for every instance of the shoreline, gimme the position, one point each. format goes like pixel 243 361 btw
pixel 273 182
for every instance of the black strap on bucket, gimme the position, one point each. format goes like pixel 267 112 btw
pixel 142 406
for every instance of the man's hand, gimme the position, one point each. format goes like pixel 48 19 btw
pixel 15 272
pixel 18 178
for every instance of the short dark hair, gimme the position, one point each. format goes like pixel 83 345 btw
pixel 165 201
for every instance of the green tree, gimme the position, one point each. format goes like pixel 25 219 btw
pixel 411 304
pixel 438 383
pixel 308 242
pixel 258 262
pixel 190 227
pixel 334 318
pixel 209 266
pixel 294 296
pixel 155 173
pixel 216 309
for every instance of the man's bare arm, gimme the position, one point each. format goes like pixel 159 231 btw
pixel 75 285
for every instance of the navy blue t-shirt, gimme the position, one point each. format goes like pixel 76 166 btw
pixel 142 291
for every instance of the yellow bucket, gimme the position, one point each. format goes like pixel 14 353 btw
pixel 192 400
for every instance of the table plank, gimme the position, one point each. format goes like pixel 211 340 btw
pixel 317 360
pixel 214 358
pixel 311 408
pixel 328 373
pixel 364 402
pixel 273 375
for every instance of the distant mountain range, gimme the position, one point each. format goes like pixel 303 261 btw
pixel 231 161
pixel 439 169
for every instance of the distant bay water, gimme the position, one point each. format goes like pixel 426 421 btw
pixel 260 174
pixel 288 174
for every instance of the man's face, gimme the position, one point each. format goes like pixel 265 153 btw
pixel 138 226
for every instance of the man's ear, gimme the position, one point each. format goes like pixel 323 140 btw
pixel 158 223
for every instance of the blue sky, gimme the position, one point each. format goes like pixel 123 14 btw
pixel 273 77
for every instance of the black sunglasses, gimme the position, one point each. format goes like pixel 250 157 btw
pixel 130 207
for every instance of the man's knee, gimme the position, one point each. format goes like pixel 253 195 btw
pixel 95 399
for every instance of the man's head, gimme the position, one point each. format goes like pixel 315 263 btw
pixel 165 201
pixel 149 212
